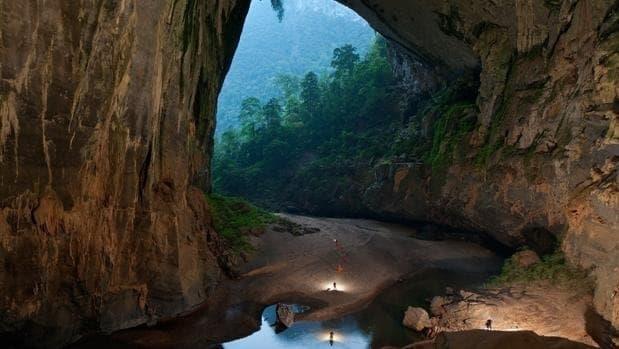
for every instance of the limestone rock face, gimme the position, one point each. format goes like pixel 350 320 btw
pixel 428 28
pixel 416 319
pixel 542 161
pixel 106 120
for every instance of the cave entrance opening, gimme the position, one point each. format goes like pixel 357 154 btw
pixel 308 83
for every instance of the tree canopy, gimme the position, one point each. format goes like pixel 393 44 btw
pixel 302 41
pixel 278 7
pixel 319 127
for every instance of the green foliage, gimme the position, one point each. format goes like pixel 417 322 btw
pixel 449 132
pixel 234 217
pixel 493 141
pixel 272 112
pixel 453 115
pixel 288 84
pixel 301 42
pixel 345 59
pixel 278 7
pixel 310 96
pixel 318 138
pixel 314 135
pixel 553 268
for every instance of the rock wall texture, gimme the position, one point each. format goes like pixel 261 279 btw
pixel 542 160
pixel 106 121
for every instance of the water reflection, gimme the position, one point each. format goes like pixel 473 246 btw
pixel 380 324
pixel 304 334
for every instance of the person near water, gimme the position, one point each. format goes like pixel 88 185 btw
pixel 489 324
pixel 331 338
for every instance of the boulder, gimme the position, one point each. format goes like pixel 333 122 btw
pixel 436 305
pixel 416 319
pixel 526 258
pixel 285 314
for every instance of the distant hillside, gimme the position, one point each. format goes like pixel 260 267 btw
pixel 303 41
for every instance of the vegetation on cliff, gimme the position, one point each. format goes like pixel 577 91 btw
pixel 552 268
pixel 450 115
pixel 234 218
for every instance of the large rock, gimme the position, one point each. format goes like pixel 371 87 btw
pixel 416 319
pixel 285 314
pixel 546 309
pixel 525 259
pixel 106 121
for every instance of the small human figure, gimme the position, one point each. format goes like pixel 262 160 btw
pixel 334 288
pixel 331 338
pixel 489 324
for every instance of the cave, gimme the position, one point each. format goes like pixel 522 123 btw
pixel 107 123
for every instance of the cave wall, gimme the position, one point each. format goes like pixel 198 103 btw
pixel 544 154
pixel 106 123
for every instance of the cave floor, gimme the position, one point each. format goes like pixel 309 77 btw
pixel 300 265
pixel 367 257
pixel 286 266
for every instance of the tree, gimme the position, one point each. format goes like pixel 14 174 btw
pixel 287 84
pixel 292 112
pixel 278 6
pixel 250 116
pixel 310 94
pixel 345 59
pixel 272 113
pixel 315 136
pixel 229 144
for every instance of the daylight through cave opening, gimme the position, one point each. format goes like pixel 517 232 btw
pixel 314 98
pixel 498 118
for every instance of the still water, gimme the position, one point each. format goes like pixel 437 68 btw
pixel 379 324
pixel 306 334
